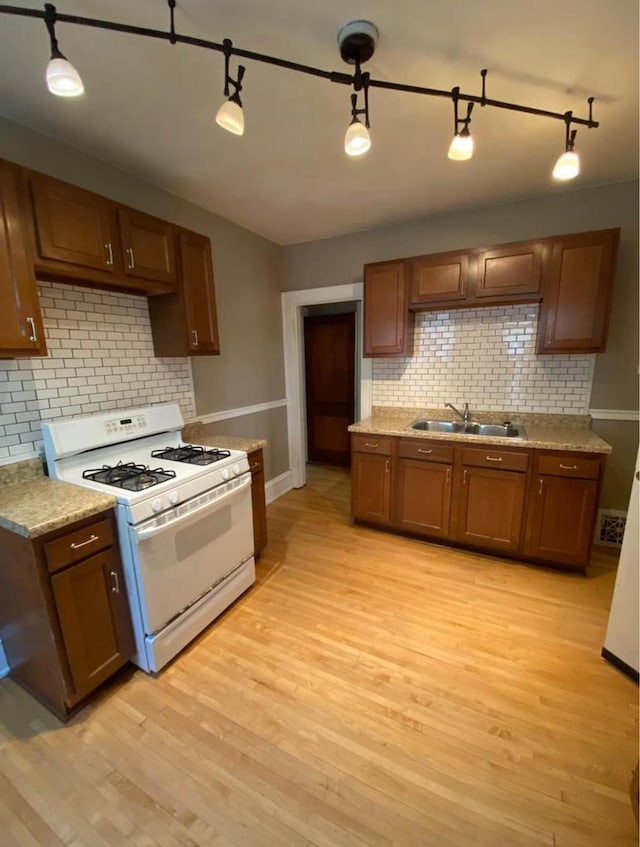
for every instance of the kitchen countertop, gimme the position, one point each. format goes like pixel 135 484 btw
pixel 196 433
pixel 549 432
pixel 31 504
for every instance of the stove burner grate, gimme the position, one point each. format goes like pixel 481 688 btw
pixel 191 454
pixel 129 476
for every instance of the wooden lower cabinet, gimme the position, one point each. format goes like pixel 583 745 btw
pixel 423 497
pixel 524 503
pixel 258 502
pixel 65 625
pixel 491 508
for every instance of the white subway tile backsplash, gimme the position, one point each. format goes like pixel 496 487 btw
pixel 487 358
pixel 100 358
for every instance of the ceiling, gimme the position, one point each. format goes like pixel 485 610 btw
pixel 149 106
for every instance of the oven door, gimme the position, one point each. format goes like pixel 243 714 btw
pixel 184 552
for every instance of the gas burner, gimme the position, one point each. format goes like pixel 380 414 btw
pixel 191 454
pixel 129 476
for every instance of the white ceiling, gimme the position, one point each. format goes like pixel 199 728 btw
pixel 149 107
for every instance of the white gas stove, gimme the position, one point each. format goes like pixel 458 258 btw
pixel 184 518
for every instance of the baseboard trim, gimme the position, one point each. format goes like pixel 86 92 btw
pixel 227 414
pixel 626 669
pixel 278 486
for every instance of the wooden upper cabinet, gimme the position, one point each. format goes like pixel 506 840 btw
pixel 21 331
pixel 577 292
pixel 196 274
pixel 510 271
pixel 387 330
pixel 74 226
pixel 148 245
pixel 440 278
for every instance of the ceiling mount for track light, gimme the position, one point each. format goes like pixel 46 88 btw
pixel 357 41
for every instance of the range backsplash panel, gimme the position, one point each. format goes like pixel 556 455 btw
pixel 487 358
pixel 100 358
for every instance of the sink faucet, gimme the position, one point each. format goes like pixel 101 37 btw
pixel 466 415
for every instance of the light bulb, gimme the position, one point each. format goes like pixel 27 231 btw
pixel 357 139
pixel 63 79
pixel 461 147
pixel 231 117
pixel 567 166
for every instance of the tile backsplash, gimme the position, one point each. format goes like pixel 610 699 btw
pixel 487 358
pixel 100 358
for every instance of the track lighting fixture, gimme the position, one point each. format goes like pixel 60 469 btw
pixel 461 147
pixel 568 164
pixel 230 115
pixel 62 78
pixel 357 41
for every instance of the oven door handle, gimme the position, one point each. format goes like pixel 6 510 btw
pixel 143 534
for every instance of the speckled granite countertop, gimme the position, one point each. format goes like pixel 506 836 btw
pixel 549 432
pixel 196 433
pixel 31 504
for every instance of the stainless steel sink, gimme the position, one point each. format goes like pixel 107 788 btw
pixel 505 430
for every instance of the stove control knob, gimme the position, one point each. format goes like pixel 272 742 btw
pixel 236 469
pixel 157 505
pixel 225 473
pixel 173 497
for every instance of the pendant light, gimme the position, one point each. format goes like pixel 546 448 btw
pixel 568 164
pixel 61 77
pixel 461 147
pixel 230 115
pixel 357 139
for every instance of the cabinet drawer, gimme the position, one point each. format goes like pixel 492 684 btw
pixel 587 468
pixel 497 459
pixel 371 444
pixel 78 545
pixel 256 462
pixel 429 451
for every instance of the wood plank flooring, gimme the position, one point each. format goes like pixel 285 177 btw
pixel 369 690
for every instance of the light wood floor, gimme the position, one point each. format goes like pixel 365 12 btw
pixel 369 690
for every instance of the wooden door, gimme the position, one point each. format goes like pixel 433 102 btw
pixel 196 274
pixel 92 609
pixel 577 292
pixel 258 504
pixel 74 226
pixel 423 497
pixel 329 353
pixel 371 487
pixel 386 315
pixel 149 246
pixel 440 278
pixel 510 271
pixel 562 512
pixel 21 331
pixel 491 508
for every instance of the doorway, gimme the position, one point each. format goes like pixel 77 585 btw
pixel 329 348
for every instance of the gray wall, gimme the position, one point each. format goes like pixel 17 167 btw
pixel 247 271
pixel 336 261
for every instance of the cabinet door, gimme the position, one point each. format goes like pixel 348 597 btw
pixel 386 315
pixel 21 332
pixel 423 497
pixel 510 272
pixel 439 279
pixel 561 516
pixel 491 508
pixel 258 503
pixel 577 291
pixel 196 274
pixel 92 609
pixel 73 226
pixel 371 487
pixel 149 247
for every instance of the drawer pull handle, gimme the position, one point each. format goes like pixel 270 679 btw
pixel 464 476
pixel 109 250
pixel 194 334
pixel 33 338
pixel 132 263
pixel 115 588
pixel 493 458
pixel 420 450
pixel 568 467
pixel 386 466
pixel 540 485
pixel 370 443
pixel 90 540
pixel 448 476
